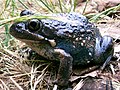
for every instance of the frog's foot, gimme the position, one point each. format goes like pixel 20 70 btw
pixel 106 62
pixel 65 67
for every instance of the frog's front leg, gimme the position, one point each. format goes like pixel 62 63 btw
pixel 65 67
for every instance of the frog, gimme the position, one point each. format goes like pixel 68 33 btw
pixel 72 41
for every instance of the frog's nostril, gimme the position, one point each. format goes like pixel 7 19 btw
pixel 19 26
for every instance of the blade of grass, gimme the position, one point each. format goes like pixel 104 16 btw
pixel 46 5
pixel 73 5
pixel 7 35
pixel 85 7
pixel 18 86
pixel 6 87
pixel 23 18
pixel 60 5
pixel 13 6
pixel 106 12
pixel 37 16
pixel 36 79
pixel 67 7
pixel 52 5
pixel 7 3
pixel 23 4
pixel 2 22
pixel 40 77
pixel 49 4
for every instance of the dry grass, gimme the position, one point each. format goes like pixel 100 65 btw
pixel 15 73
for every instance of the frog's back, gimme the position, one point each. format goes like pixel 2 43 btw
pixel 76 36
pixel 68 24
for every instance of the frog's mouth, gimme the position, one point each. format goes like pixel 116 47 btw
pixel 26 36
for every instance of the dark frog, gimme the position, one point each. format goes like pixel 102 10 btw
pixel 72 40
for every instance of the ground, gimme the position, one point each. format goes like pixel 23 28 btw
pixel 16 73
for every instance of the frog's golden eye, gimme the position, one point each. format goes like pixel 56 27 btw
pixel 34 25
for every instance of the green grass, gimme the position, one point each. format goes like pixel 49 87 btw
pixel 102 14
pixel 9 14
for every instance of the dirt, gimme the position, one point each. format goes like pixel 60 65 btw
pixel 16 75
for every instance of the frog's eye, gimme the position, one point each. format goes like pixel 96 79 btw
pixel 34 25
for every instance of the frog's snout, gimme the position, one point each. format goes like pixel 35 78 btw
pixel 17 28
